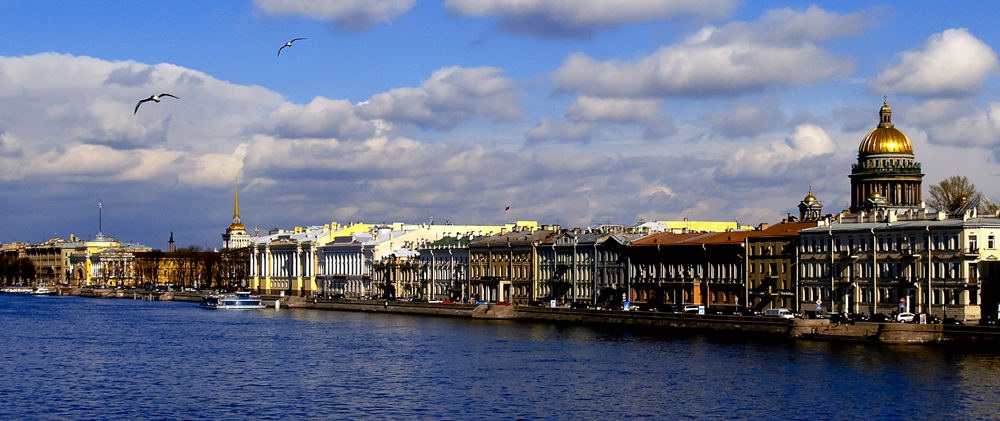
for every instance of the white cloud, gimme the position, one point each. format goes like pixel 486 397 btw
pixel 777 50
pixel 215 169
pixel 547 130
pixel 612 109
pixel 743 121
pixel 805 142
pixel 451 95
pixel 651 190
pixel 851 119
pixel 320 118
pixel 584 18
pixel 659 127
pixel 352 15
pixel 87 160
pixel 56 99
pixel 978 128
pixel 953 63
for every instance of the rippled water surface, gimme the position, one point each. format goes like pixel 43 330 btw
pixel 86 358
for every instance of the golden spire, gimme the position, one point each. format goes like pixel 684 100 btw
pixel 236 207
pixel 236 210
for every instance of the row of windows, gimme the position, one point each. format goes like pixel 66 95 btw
pixel 894 243
pixel 500 257
pixel 890 295
pixel 945 270
pixel 689 270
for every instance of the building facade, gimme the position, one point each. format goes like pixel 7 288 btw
pixel 502 267
pixel 772 267
pixel 887 264
pixel 445 268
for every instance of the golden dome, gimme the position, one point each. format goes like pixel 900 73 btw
pixel 810 197
pixel 235 227
pixel 885 138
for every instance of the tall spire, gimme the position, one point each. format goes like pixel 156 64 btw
pixel 236 206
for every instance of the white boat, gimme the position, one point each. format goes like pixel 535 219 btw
pixel 42 291
pixel 237 301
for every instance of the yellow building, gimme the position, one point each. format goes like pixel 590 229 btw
pixel 680 227
pixel 84 257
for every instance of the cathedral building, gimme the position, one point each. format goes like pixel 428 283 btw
pixel 236 235
pixel 891 255
pixel 886 176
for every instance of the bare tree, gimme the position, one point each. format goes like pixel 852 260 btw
pixel 953 191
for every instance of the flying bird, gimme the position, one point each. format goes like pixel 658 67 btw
pixel 151 98
pixel 287 44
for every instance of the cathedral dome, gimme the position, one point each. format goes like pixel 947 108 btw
pixel 885 138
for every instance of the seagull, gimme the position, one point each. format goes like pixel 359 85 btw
pixel 151 98
pixel 287 44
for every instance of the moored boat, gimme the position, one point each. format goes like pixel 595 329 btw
pixel 240 300
pixel 43 291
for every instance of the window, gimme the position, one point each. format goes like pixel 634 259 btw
pixel 991 241
pixel 973 242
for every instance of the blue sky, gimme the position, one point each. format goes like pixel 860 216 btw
pixel 575 112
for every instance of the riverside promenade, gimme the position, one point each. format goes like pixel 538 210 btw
pixel 753 326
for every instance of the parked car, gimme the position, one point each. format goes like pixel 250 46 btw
pixel 952 321
pixel 879 318
pixel 905 317
pixel 859 318
pixel 691 308
pixel 779 312
pixel 988 322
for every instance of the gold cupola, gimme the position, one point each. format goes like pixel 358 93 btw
pixel 885 138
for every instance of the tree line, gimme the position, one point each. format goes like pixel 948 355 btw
pixel 14 270
pixel 193 267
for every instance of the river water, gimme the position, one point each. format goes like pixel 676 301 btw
pixel 86 358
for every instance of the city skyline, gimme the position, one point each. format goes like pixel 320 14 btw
pixel 398 111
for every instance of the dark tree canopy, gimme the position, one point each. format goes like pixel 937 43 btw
pixel 953 191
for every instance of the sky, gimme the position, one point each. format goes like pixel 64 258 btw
pixel 576 112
